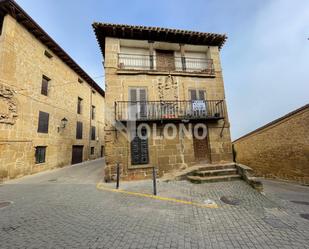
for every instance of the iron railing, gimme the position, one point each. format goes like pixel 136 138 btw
pixel 149 62
pixel 169 110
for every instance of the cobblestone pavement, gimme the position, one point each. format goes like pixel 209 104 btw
pixel 63 209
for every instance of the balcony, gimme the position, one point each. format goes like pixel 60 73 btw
pixel 139 62
pixel 169 110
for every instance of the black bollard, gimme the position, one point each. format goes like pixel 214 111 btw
pixel 154 175
pixel 118 176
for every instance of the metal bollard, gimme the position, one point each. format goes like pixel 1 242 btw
pixel 154 176
pixel 118 176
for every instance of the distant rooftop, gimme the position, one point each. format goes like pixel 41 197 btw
pixel 12 8
pixel 103 30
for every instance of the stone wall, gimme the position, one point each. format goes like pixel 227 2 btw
pixel 22 64
pixel 165 154
pixel 280 149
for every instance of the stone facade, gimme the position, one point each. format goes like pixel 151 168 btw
pixel 164 154
pixel 279 149
pixel 22 66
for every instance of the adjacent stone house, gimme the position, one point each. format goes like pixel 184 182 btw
pixel 163 78
pixel 279 149
pixel 51 111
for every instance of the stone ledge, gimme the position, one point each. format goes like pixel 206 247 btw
pixel 136 72
pixel 247 175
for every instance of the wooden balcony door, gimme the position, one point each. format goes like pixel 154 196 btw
pixel 137 103
pixel 201 147
pixel 198 103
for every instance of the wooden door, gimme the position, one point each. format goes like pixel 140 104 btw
pixel 165 60
pixel 201 149
pixel 77 154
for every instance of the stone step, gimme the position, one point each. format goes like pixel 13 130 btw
pixel 216 172
pixel 217 167
pixel 201 179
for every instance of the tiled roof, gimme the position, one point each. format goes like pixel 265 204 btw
pixel 103 30
pixel 12 8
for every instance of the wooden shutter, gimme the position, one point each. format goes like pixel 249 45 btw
pixel 143 103
pixel 193 94
pixel 201 95
pixel 132 104
pixel 44 88
pixel 43 122
pixel 79 130
pixel 139 150
pixel 40 154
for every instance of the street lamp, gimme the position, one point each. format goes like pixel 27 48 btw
pixel 63 124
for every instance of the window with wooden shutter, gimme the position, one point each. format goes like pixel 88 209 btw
pixel 79 130
pixel 44 87
pixel 92 132
pixel 40 154
pixel 139 149
pixel 43 122
pixel 93 112
pixel 193 94
pixel 79 105
pixel 138 103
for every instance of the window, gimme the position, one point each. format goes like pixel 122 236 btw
pixel 139 149
pixel 92 132
pixel 44 88
pixel 138 103
pixel 1 22
pixel 195 94
pixel 79 105
pixel 93 91
pixel 80 80
pixel 43 122
pixel 93 112
pixel 91 150
pixel 40 154
pixel 79 130
pixel 48 54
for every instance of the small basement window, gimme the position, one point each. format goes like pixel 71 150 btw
pixel 91 150
pixel 48 54
pixel 40 154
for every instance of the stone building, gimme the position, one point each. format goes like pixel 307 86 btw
pixel 51 111
pixel 279 149
pixel 162 78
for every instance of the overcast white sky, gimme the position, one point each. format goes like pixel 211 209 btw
pixel 265 60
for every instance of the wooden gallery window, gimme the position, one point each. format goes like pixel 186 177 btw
pixel 92 132
pixel 139 148
pixel 79 130
pixel 44 87
pixel 40 154
pixel 79 105
pixel 43 122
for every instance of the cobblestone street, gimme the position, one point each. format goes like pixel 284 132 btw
pixel 64 209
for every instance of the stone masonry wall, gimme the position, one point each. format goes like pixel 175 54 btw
pixel 22 64
pixel 280 150
pixel 165 154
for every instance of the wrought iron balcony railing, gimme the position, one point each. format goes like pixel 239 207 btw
pixel 181 64
pixel 169 110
